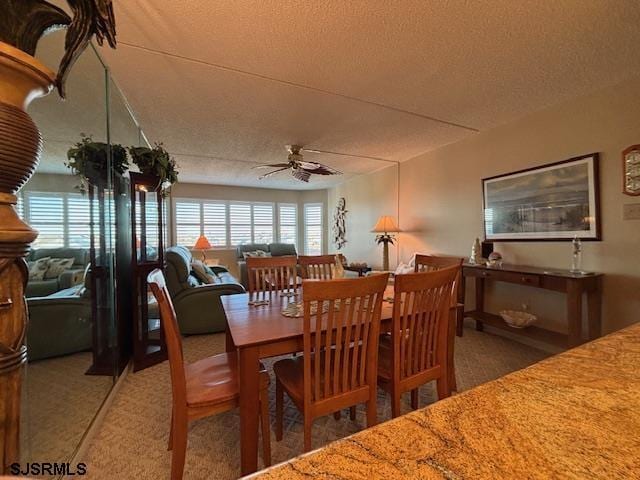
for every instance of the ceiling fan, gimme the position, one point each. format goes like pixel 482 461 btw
pixel 300 169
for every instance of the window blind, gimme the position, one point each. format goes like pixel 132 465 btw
pixel 288 218
pixel 263 223
pixel 62 219
pixel 313 228
pixel 240 223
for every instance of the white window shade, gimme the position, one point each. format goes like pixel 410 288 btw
pixel 313 228
pixel 214 216
pixel 187 222
pixel 288 218
pixel 240 223
pixel 61 219
pixel 263 223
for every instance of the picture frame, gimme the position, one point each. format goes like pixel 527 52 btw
pixel 552 202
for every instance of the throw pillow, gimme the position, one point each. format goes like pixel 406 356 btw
pixel 202 272
pixel 255 253
pixel 403 268
pixel 57 266
pixel 38 268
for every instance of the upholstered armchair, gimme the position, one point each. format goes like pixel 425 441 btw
pixel 197 303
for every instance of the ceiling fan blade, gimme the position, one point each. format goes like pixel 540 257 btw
pixel 320 169
pixel 309 165
pixel 325 171
pixel 301 175
pixel 272 165
pixel 266 175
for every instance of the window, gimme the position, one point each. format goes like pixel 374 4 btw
pixel 263 223
pixel 194 218
pixel 62 219
pixel 313 229
pixel 224 223
pixel 20 206
pixel 240 223
pixel 188 222
pixel 288 218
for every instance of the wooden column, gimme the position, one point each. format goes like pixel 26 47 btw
pixel 22 79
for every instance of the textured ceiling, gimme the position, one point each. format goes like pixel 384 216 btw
pixel 226 85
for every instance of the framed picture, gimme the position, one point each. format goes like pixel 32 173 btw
pixel 557 201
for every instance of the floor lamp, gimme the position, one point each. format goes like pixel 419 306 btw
pixel 385 227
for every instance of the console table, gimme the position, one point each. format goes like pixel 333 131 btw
pixel 573 285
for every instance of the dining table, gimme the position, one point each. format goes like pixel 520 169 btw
pixel 260 330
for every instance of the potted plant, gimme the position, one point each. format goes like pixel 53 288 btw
pixel 156 161
pixel 89 160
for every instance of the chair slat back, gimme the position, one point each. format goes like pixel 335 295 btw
pixel 430 263
pixel 272 274
pixel 421 314
pixel 173 339
pixel 341 328
pixel 319 267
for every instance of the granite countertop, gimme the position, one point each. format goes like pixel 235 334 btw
pixel 575 415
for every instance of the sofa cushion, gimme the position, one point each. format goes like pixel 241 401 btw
pixel 250 247
pixel 281 249
pixel 38 269
pixel 255 253
pixel 80 255
pixel 203 273
pixel 57 266
pixel 41 288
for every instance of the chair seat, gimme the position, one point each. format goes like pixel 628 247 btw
pixel 214 380
pixel 290 372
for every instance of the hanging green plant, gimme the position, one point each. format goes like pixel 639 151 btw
pixel 89 160
pixel 156 161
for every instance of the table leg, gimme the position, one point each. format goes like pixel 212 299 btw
pixel 594 311
pixel 249 407
pixel 574 313
pixel 479 301
pixel 451 367
pixel 460 310
pixel 228 341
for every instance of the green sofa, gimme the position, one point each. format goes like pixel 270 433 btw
pixel 68 278
pixel 275 249
pixel 197 304
pixel 59 324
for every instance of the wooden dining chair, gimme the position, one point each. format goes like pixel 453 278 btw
pixel 273 274
pixel 430 263
pixel 203 388
pixel 417 351
pixel 319 267
pixel 339 366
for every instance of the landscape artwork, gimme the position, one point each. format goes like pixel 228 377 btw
pixel 558 201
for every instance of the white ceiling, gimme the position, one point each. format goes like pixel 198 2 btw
pixel 225 85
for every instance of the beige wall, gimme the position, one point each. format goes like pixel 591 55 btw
pixel 441 200
pixel 367 198
pixel 222 192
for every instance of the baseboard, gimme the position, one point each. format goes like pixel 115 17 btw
pixel 98 419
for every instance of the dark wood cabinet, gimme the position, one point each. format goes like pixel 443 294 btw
pixel 571 284
pixel 147 246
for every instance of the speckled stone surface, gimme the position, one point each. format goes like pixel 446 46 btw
pixel 575 415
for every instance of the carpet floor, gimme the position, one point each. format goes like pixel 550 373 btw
pixel 132 442
pixel 58 404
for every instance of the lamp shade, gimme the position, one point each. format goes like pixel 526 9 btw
pixel 385 224
pixel 202 243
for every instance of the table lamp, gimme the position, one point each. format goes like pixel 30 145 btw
pixel 202 244
pixel 384 227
